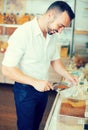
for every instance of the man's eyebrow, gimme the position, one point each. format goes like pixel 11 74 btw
pixel 62 25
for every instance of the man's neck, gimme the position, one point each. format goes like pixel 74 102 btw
pixel 42 25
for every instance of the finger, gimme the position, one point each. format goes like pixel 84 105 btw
pixel 50 86
pixel 75 80
pixel 47 89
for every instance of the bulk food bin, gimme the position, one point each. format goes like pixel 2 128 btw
pixel 57 121
pixel 72 114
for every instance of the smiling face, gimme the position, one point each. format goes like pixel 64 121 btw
pixel 57 23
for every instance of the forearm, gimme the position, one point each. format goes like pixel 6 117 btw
pixel 59 68
pixel 17 75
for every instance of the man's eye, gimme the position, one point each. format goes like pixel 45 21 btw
pixel 61 26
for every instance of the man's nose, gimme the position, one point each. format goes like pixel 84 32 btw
pixel 60 30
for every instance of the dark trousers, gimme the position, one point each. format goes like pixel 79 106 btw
pixel 30 106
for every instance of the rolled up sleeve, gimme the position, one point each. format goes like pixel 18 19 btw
pixel 15 49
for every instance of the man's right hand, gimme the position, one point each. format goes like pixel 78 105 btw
pixel 43 85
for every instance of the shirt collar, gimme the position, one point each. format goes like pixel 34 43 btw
pixel 36 27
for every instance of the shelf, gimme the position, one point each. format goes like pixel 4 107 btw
pixel 9 25
pixel 81 32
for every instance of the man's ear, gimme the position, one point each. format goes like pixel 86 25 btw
pixel 51 15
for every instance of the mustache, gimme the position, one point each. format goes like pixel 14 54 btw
pixel 55 31
pixel 50 32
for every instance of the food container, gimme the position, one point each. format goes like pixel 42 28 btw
pixel 72 114
pixel 81 57
pixel 79 90
pixel 64 51
pixel 59 86
pixel 3 43
pixel 76 92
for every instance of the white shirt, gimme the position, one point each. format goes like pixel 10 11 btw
pixel 30 51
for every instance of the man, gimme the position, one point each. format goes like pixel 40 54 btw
pixel 32 48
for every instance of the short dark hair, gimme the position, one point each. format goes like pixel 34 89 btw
pixel 62 6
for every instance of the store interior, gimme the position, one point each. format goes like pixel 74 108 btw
pixel 73 48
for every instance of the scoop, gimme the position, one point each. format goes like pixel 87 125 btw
pixel 60 86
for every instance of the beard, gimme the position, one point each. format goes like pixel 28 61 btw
pixel 52 31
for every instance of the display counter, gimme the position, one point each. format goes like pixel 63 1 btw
pixel 54 124
pixel 79 92
pixel 51 123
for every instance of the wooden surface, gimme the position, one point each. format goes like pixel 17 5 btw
pixel 7 108
pixel 81 32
